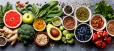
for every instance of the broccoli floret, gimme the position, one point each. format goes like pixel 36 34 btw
pixel 26 33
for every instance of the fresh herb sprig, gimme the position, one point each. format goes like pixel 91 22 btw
pixel 104 9
pixel 47 11
pixel 3 9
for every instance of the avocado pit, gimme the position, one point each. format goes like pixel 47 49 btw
pixel 54 32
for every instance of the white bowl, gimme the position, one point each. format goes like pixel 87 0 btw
pixel 67 13
pixel 86 40
pixel 60 20
pixel 107 27
pixel 103 20
pixel 5 40
pixel 44 25
pixel 74 20
pixel 87 9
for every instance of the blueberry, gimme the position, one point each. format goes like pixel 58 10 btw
pixel 87 37
pixel 79 37
pixel 83 32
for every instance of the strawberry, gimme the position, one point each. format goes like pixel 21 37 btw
pixel 100 34
pixel 95 37
pixel 98 43
pixel 108 40
pixel 105 34
pixel 103 45
pixel 101 38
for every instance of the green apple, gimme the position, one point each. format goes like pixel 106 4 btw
pixel 28 18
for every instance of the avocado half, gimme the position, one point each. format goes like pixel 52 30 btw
pixel 49 26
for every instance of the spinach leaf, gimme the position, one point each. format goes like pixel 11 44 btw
pixel 104 9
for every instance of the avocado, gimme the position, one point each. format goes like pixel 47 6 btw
pixel 53 32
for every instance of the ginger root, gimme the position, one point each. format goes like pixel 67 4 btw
pixel 11 35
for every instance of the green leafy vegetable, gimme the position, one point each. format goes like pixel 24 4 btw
pixel 35 9
pixel 3 9
pixel 47 11
pixel 23 7
pixel 104 9
pixel 26 33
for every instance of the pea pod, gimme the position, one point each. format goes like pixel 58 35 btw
pixel 35 9
pixel 51 7
pixel 55 8
pixel 53 4
pixel 42 13
pixel 50 11
pixel 55 12
pixel 53 15
pixel 44 7
pixel 43 10
pixel 49 19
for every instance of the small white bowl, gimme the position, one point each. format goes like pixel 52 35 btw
pixel 103 20
pixel 5 40
pixel 60 20
pixel 87 9
pixel 44 25
pixel 107 28
pixel 74 20
pixel 67 13
pixel 86 40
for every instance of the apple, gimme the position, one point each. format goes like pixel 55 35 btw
pixel 28 18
